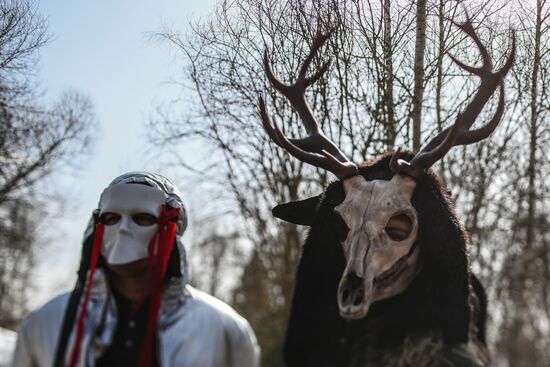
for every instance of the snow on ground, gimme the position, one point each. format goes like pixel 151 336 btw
pixel 7 345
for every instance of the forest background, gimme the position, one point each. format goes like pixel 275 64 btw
pixel 390 84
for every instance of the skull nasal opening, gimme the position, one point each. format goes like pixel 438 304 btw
pixel 352 291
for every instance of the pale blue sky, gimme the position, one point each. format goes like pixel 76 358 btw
pixel 103 49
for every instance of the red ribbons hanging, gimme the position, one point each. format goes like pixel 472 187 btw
pixel 162 242
pixel 96 247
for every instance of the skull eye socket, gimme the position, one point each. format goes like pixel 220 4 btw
pixel 399 227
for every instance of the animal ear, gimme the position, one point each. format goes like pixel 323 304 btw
pixel 298 212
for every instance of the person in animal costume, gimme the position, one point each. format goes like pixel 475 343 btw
pixel 131 305
pixel 384 277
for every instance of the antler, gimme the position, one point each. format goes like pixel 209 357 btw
pixel 460 133
pixel 316 149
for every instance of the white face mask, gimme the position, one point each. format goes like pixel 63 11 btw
pixel 129 213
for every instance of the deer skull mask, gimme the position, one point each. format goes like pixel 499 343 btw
pixel 380 249
pixel 380 253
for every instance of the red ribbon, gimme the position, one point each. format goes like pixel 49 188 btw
pixel 164 240
pixel 96 247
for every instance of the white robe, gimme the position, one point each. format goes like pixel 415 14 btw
pixel 194 330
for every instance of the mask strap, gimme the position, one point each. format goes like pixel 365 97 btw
pixel 96 247
pixel 164 239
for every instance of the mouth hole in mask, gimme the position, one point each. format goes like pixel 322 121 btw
pixel 399 227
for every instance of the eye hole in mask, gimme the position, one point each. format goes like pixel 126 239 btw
pixel 141 219
pixel 399 227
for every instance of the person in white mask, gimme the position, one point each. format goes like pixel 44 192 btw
pixel 132 305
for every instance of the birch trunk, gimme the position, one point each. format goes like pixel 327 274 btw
pixel 389 79
pixel 420 46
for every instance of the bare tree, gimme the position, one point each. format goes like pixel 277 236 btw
pixel 18 222
pixel 224 65
pixel 386 69
pixel 22 32
pixel 214 253
pixel 525 287
pixel 34 142
pixel 35 139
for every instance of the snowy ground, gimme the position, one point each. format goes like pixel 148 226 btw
pixel 7 345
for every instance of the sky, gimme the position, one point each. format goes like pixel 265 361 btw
pixel 105 50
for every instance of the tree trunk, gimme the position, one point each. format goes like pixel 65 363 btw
pixel 533 129
pixel 439 77
pixel 389 79
pixel 420 46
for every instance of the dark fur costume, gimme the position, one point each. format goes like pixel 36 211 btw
pixel 435 306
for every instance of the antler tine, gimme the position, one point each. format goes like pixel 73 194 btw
pixel 487 65
pixel 318 42
pixel 311 80
pixel 473 136
pixel 427 159
pixel 277 84
pixel 266 122
pixel 454 136
pixel 460 133
pixel 295 92
pixel 511 58
pixel 490 79
pixel 324 160
pixel 316 148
